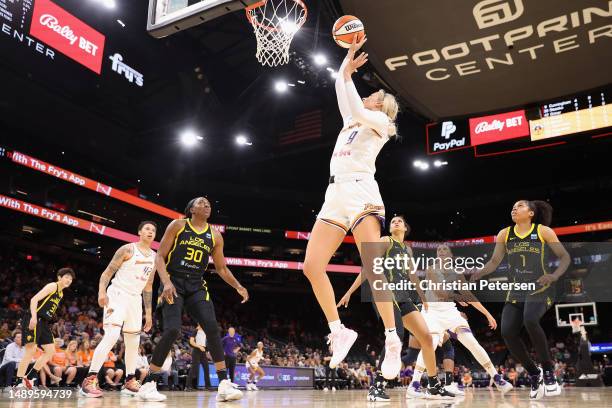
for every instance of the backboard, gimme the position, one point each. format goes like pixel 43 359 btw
pixel 586 312
pixel 170 16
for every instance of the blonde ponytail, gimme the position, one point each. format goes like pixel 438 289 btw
pixel 390 107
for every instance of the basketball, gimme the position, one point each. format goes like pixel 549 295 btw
pixel 346 28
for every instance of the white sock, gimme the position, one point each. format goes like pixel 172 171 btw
pixel 335 326
pixel 111 335
pixel 131 340
pixel 469 341
pixel 390 332
pixel 418 373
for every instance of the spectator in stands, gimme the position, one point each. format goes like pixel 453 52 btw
pixel 231 345
pixel 169 369
pixel 406 375
pixel 142 364
pixel 111 374
pixel 467 379
pixel 362 375
pixel 329 372
pixel 85 354
pixel 72 361
pixel 4 331
pixel 513 377
pixel 12 356
pixel 58 364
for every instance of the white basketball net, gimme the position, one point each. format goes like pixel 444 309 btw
pixel 275 22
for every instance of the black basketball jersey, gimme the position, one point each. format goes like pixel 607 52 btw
pixel 396 275
pixel 526 255
pixel 48 306
pixel 191 250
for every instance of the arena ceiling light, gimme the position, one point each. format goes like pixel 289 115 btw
pixel 242 140
pixel 319 59
pixel 109 4
pixel 281 86
pixel 190 138
pixel 440 163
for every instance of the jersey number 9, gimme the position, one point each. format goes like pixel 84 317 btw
pixel 194 255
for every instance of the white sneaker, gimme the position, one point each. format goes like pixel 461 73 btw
pixel 325 389
pixel 392 363
pixel 227 392
pixel 333 388
pixel 537 386
pixel 501 384
pixel 148 392
pixel 415 391
pixel 341 343
pixel 454 388
pixel 254 387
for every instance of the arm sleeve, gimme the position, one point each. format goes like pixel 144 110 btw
pixel 341 95
pixel 372 119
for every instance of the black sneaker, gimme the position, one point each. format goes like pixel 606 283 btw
pixel 537 386
pixel 551 386
pixel 437 391
pixel 377 394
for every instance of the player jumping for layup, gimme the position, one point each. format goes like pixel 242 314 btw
pixel 181 262
pixel 133 267
pixel 36 326
pixel 353 202
pixel 526 245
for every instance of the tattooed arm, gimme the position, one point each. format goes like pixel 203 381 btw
pixel 147 297
pixel 123 254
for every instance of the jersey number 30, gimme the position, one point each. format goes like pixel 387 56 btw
pixel 194 255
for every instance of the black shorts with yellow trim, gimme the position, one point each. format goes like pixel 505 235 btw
pixel 41 335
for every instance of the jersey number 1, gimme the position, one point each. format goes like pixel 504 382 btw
pixel 352 136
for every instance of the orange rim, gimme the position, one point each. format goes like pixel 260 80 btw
pixel 263 3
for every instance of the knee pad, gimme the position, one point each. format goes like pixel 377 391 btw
pixel 448 351
pixel 411 356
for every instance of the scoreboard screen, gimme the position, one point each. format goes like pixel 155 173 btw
pixel 16 13
pixel 575 103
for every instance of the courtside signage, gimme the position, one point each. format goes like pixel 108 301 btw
pixel 59 29
pixel 495 128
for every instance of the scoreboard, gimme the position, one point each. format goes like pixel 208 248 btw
pixel 576 103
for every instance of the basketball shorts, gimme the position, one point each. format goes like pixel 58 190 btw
pixel 441 317
pixel 253 365
pixel 123 309
pixel 41 335
pixel 349 199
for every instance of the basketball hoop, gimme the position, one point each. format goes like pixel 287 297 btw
pixel 576 324
pixel 275 22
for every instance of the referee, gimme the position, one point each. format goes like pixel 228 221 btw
pixel 198 357
pixel 231 345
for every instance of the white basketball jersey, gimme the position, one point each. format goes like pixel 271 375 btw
pixel 133 274
pixel 356 150
pixel 258 356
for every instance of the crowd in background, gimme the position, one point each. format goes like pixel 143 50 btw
pixel 288 341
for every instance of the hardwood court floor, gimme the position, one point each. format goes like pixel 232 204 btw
pixel 480 398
